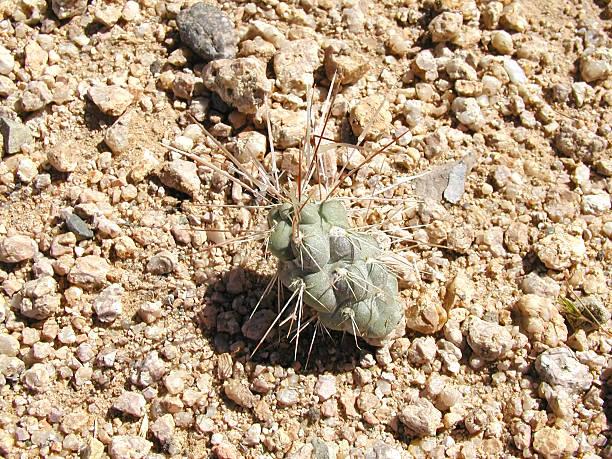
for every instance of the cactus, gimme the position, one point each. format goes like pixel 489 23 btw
pixel 336 271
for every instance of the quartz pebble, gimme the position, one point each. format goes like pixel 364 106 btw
pixel 7 61
pixel 39 299
pixel 163 429
pixel 68 8
pixel 129 447
pixel 446 26
pixel 595 64
pixel 131 403
pixel 554 443
pixel 112 100
pixel 488 340
pixel 14 249
pixel 559 367
pixel 361 115
pixel 560 250
pixel 9 345
pixel 287 397
pixel 181 175
pixel 89 271
pixel 239 393
pixel 580 144
pixel 420 418
pixel 294 64
pixel 596 204
pixel 117 137
pixel 107 304
pixel 468 112
pixel 325 387
pixel 541 320
pixel 63 157
pixel 163 262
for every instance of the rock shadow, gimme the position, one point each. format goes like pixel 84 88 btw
pixel 228 320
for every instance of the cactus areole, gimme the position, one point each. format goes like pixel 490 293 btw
pixel 336 270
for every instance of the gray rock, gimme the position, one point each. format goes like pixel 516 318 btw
pixel 14 249
pixel 322 450
pixel 181 175
pixel 456 183
pixel 78 227
pixel 421 418
pixel 108 304
pixel 560 368
pixel 15 135
pixel 68 8
pixel 540 285
pixel 207 31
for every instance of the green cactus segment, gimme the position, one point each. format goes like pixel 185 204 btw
pixel 338 272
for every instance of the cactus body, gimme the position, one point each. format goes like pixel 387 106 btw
pixel 339 271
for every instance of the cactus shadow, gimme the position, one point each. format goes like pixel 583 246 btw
pixel 226 319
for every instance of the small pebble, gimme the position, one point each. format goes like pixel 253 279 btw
pixel 131 403
pixel 112 100
pixel 107 304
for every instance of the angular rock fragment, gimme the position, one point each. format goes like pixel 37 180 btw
pixel 14 249
pixel 112 100
pixel 241 83
pixel 294 65
pixel 89 271
pixel 361 115
pixel 15 135
pixel 181 175
pixel 107 304
pixel 68 8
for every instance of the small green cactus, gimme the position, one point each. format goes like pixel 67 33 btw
pixel 337 272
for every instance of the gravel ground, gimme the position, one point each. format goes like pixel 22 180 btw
pixel 125 304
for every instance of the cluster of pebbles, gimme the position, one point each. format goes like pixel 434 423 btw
pixel 126 322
